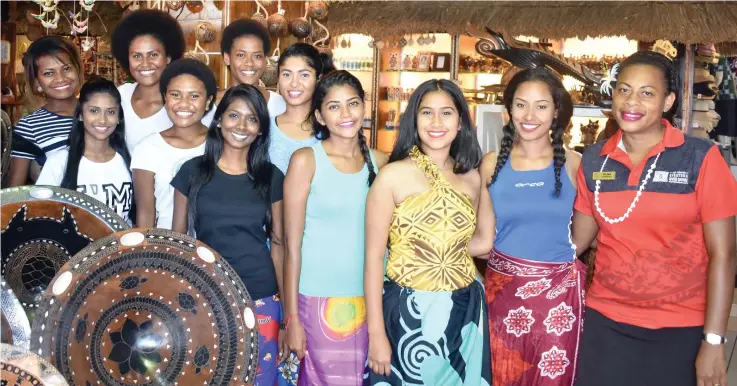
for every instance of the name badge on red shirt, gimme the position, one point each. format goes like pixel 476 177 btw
pixel 605 176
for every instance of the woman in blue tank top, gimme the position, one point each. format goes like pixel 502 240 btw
pixel 534 283
pixel 325 200
pixel 300 66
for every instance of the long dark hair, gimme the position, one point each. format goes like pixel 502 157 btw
pixel 464 149
pixel 334 79
pixel 257 161
pixel 563 106
pixel 95 85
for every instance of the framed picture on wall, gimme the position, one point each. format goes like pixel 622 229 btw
pixel 441 62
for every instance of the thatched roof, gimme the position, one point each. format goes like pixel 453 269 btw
pixel 687 22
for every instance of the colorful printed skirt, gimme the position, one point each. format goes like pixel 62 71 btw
pixel 536 311
pixel 337 341
pixel 437 338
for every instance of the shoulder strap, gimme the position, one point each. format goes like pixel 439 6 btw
pixel 428 167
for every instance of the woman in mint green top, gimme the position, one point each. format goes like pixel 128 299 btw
pixel 324 208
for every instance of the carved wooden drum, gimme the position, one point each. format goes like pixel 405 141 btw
pixel 20 367
pixel 148 307
pixel 42 227
pixel 14 326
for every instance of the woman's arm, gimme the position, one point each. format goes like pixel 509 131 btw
pixel 584 230
pixel 296 190
pixel 143 186
pixel 711 366
pixel 379 209
pixel 19 168
pixel 482 241
pixel 180 221
pixel 277 242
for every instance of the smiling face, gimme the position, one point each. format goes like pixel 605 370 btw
pixel 100 115
pixel 246 59
pixel 533 111
pixel 57 76
pixel 641 98
pixel 438 120
pixel 239 125
pixel 186 100
pixel 297 81
pixel 342 111
pixel 147 60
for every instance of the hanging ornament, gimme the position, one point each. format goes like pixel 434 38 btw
pixel 271 73
pixel 266 3
pixel 219 4
pixel 87 44
pixel 317 10
pixel 197 52
pixel 277 24
pixel 322 45
pixel 87 5
pixel 195 6
pixel 260 18
pixel 48 7
pixel 175 5
pixel 79 26
pixel 205 32
pixel 300 27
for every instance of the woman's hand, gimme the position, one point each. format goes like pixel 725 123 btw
pixel 297 338
pixel 711 365
pixel 380 354
pixel 283 346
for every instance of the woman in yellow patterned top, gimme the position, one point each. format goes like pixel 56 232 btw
pixel 428 321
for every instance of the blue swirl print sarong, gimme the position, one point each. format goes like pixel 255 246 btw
pixel 437 338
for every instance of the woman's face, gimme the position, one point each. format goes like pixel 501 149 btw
pixel 297 81
pixel 533 111
pixel 641 98
pixel 239 125
pixel 247 60
pixel 100 116
pixel 342 111
pixel 186 100
pixel 57 76
pixel 147 60
pixel 438 120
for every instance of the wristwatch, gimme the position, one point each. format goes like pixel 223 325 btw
pixel 283 326
pixel 713 339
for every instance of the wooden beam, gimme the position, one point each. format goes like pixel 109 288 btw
pixel 687 76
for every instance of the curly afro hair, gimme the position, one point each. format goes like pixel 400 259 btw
pixel 162 26
pixel 192 67
pixel 244 27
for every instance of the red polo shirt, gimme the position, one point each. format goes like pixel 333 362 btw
pixel 651 268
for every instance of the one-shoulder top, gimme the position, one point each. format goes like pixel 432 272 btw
pixel 429 235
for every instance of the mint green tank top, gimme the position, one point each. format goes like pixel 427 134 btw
pixel 333 240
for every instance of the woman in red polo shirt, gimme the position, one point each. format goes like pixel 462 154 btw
pixel 662 208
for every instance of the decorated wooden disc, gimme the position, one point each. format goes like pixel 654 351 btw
pixel 20 367
pixel 42 227
pixel 148 307
pixel 15 329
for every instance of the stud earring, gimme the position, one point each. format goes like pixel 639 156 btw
pixel 39 89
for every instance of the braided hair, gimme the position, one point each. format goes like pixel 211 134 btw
pixel 563 106
pixel 326 82
pixel 662 63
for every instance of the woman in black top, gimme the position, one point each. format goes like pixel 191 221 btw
pixel 231 198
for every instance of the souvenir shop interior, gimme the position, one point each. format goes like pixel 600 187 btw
pixel 391 47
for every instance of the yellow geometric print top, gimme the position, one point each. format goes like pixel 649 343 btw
pixel 429 235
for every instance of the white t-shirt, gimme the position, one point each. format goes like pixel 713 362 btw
pixel 137 128
pixel 276 105
pixel 154 154
pixel 109 182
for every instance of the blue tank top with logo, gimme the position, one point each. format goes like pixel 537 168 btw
pixel 531 221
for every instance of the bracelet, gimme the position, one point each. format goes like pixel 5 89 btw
pixel 287 320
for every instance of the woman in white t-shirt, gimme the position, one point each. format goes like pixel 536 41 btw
pixel 144 43
pixel 189 90
pixel 97 161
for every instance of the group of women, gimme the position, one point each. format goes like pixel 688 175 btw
pixel 361 266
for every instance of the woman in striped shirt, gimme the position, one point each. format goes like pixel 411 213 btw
pixel 52 67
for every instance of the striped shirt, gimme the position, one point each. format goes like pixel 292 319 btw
pixel 44 129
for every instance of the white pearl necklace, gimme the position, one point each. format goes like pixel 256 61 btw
pixel 634 202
